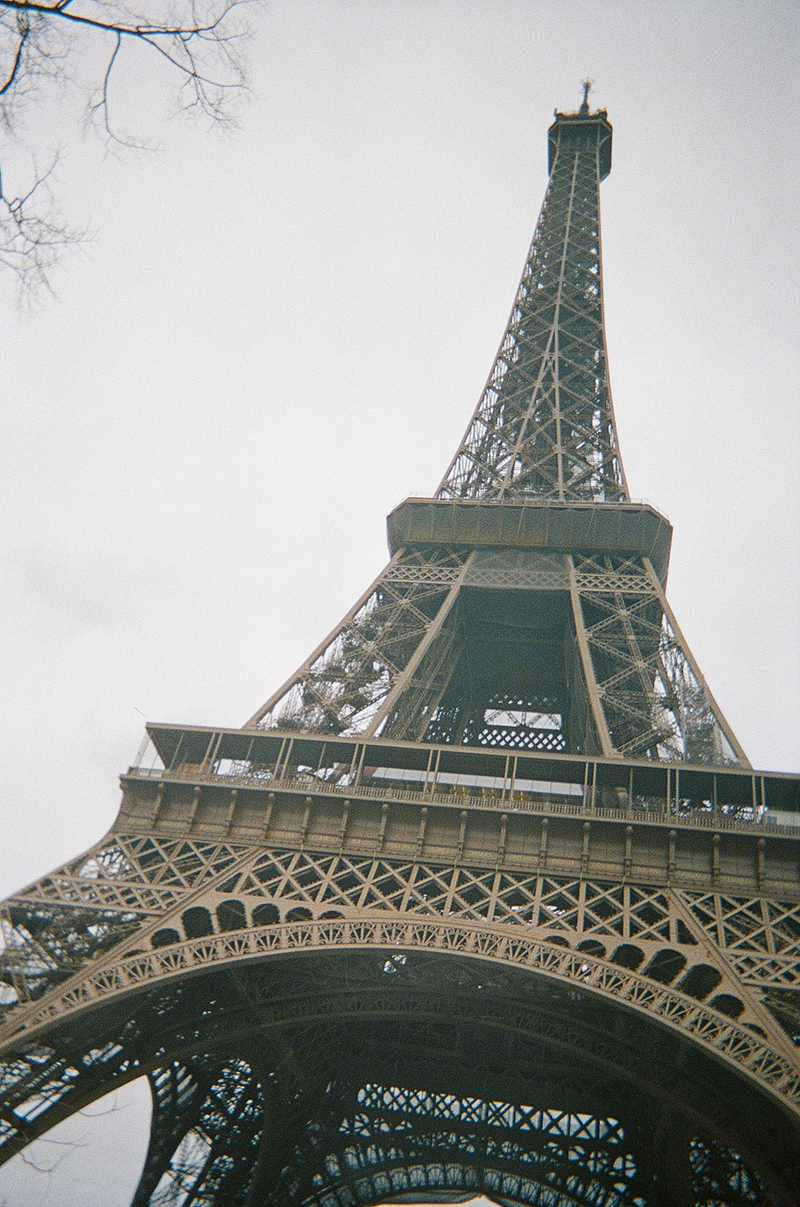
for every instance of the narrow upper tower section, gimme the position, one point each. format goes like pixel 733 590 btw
pixel 544 427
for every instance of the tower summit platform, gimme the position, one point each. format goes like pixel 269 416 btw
pixel 583 127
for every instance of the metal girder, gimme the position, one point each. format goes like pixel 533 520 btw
pixel 478 1061
pixel 648 696
pixel 440 644
pixel 698 961
pixel 432 652
pixel 208 1153
pixel 388 1139
pixel 347 682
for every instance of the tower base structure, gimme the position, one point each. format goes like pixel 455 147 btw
pixel 364 971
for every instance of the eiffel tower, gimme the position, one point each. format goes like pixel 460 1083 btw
pixel 486 898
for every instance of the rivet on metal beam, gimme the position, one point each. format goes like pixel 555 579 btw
pixel 461 835
pixel 626 867
pixel 268 815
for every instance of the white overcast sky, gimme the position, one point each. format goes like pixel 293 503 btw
pixel 275 337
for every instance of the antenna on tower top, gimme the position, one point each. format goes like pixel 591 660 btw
pixel 587 88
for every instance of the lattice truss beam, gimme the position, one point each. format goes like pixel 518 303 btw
pixel 402 664
pixel 244 1129
pixel 353 679
pixel 382 1141
pixel 649 697
pixel 241 1130
pixel 137 911
pixel 545 425
pixel 208 1127
pixel 117 892
pixel 368 1142
pixel 394 1140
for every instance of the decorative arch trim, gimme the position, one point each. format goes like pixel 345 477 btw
pixel 694 1020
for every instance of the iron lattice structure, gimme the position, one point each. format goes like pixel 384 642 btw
pixel 486 898
pixel 545 424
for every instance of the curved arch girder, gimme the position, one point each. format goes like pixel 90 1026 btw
pixel 484 1030
pixel 749 1052
pixel 390 1141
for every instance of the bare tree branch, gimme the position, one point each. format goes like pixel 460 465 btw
pixel 17 61
pixel 33 239
pixel 41 1163
pixel 47 48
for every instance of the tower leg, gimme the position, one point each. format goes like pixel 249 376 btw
pixel 667 1169
pixel 207 1145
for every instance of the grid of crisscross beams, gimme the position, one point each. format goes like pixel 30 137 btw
pixel 206 1125
pixel 345 685
pixel 763 936
pixel 654 704
pixel 720 1178
pixel 386 1140
pixel 93 903
pixel 760 941
pixel 397 1140
pixel 177 1097
pixel 521 738
pixel 66 919
pixel 578 907
pixel 214 1151
pixel 544 425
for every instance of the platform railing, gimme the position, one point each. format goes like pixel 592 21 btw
pixel 641 810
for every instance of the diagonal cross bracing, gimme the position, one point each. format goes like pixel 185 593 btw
pixel 544 425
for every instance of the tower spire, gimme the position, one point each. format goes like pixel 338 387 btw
pixel 544 426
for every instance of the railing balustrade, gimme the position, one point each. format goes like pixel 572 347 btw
pixel 510 801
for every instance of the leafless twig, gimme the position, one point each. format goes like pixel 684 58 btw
pixel 43 45
pixel 33 238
